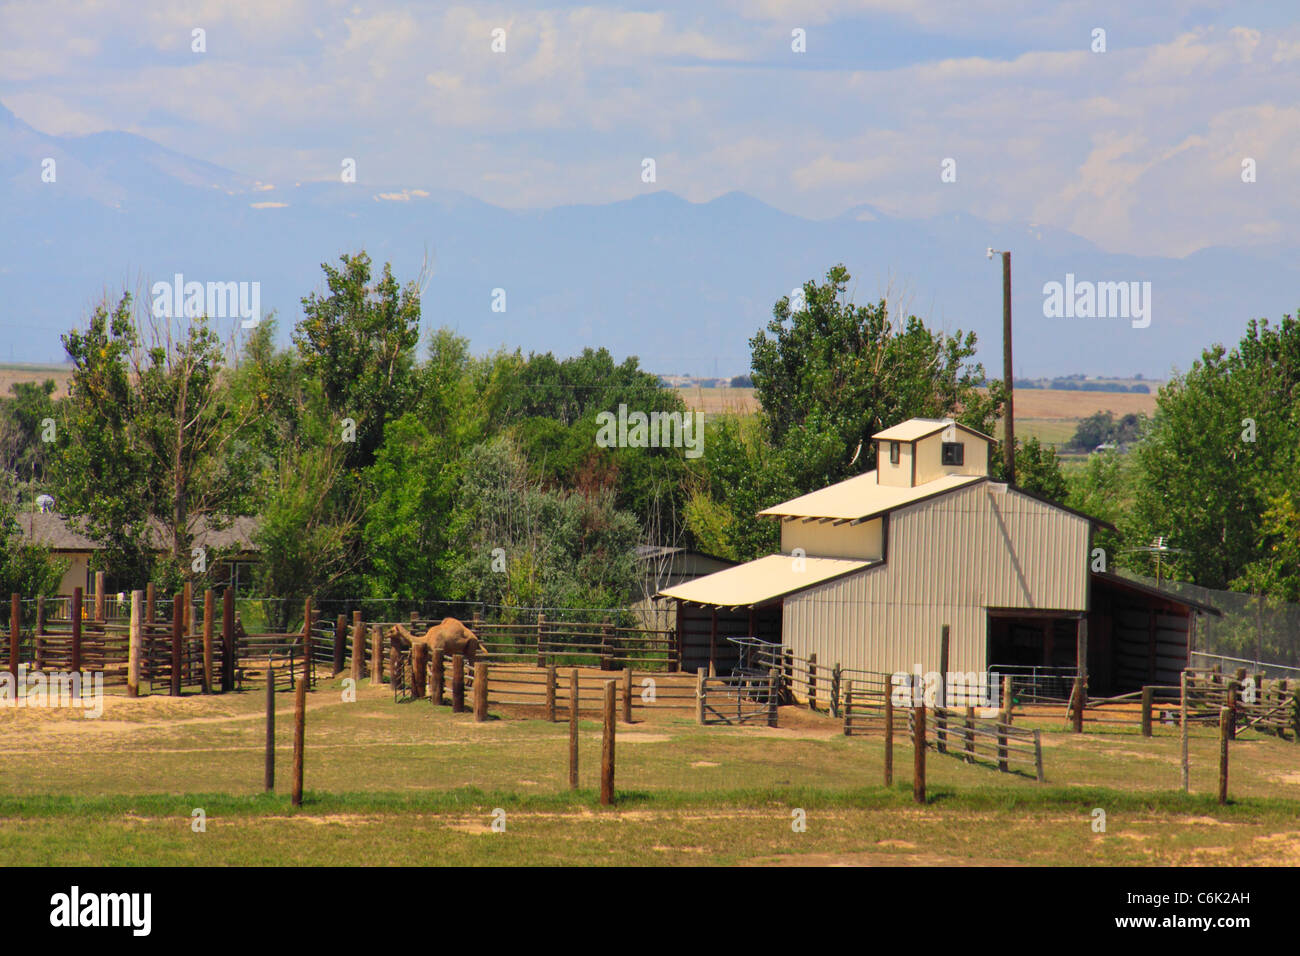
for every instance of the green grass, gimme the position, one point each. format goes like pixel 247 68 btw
pixel 410 783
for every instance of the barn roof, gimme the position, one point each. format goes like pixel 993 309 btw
pixel 914 429
pixel 54 531
pixel 763 580
pixel 861 497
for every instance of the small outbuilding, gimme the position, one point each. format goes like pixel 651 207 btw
pixel 874 568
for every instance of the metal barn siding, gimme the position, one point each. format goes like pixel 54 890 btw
pixel 949 559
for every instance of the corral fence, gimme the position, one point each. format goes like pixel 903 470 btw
pixel 960 733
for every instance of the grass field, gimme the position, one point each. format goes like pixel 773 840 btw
pixel 383 778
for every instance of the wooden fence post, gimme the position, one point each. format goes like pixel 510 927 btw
pixel 38 639
pixel 889 737
pixel 1183 728
pixel 228 652
pixel 1002 747
pixel 458 685
pixel 308 664
pixel 340 643
pixel 1078 697
pixel 787 683
pixel 573 729
pixel 1148 700
pixel 970 734
pixel 99 597
pixel 607 748
pixel 150 603
pixel 812 681
pixel 299 739
pixel 358 649
pixel 1225 734
pixel 550 692
pixel 134 645
pixel 268 777
pixel 376 655
pixel 75 666
pixel 627 694
pixel 15 630
pixel 439 670
pixel 1008 703
pixel 1038 755
pixel 699 696
pixel 178 624
pixel 209 617
pixel 918 753
pixel 848 708
pixel 541 655
pixel 480 691
pixel 420 670
pixel 773 692
pixel 1234 696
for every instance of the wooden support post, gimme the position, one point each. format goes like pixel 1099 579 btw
pixel 1078 698
pixel 550 693
pixel 268 777
pixel 944 645
pixel 607 748
pixel 229 653
pixel 376 655
pixel 773 692
pixel 1002 747
pixel 135 644
pixel 573 729
pixel 100 596
pixel 38 639
pixel 150 603
pixel 178 623
pixel 75 666
pixel 1008 703
pixel 1148 700
pixel 1081 654
pixel 812 681
pixel 889 737
pixel 1182 721
pixel 308 664
pixel 480 691
pixel 1225 734
pixel 699 696
pixel 15 631
pixel 848 708
pixel 419 669
pixel 627 694
pixel 299 739
pixel 969 742
pixel 787 680
pixel 541 640
pixel 1038 755
pixel 340 643
pixel 358 649
pixel 209 619
pixel 918 753
pixel 439 674
pixel 458 685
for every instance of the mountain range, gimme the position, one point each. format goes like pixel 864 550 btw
pixel 682 285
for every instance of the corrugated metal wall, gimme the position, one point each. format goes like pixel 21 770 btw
pixel 949 558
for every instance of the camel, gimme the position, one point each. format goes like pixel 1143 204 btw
pixel 447 638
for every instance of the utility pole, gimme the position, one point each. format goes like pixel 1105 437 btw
pixel 1008 421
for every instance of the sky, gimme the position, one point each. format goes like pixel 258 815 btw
pixel 1139 148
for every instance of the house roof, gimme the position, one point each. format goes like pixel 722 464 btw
pixel 861 497
pixel 914 429
pixel 55 532
pixel 762 580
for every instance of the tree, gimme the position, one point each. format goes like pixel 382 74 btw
pixel 1220 451
pixel 27 569
pixel 1038 470
pixel 23 419
pixel 833 373
pixel 359 343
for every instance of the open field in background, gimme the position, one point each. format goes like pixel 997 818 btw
pixel 13 374
pixel 411 783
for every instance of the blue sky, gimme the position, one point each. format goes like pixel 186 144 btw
pixel 1138 149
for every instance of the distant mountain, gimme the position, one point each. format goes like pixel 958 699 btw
pixel 683 285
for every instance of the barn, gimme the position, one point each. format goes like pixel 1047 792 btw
pixel 872 570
